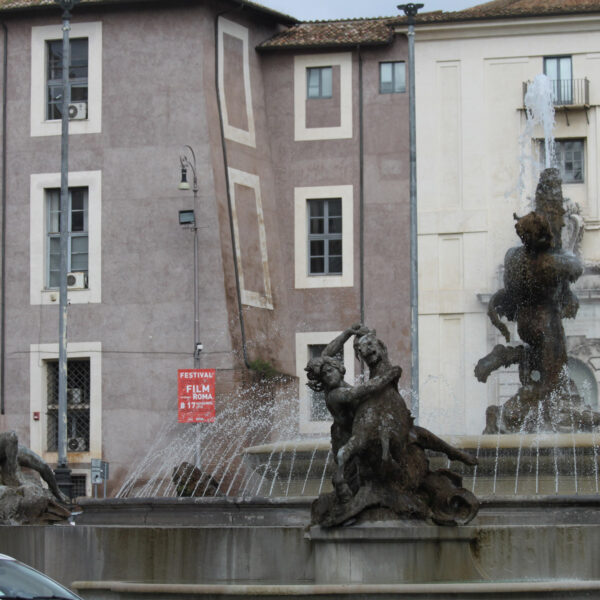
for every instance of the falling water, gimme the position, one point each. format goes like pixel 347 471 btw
pixel 312 458
pixel 324 471
pixel 539 112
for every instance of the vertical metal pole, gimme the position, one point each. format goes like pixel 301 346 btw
pixel 196 302
pixel 64 247
pixel 410 10
pixel 63 473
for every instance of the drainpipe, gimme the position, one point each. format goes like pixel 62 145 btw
pixel 226 164
pixel 410 10
pixel 3 290
pixel 361 187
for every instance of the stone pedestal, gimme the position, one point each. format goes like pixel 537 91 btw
pixel 394 552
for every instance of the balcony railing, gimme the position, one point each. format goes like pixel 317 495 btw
pixel 567 92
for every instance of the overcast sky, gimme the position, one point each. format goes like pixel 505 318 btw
pixel 314 10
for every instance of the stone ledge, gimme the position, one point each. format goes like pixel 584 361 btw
pixel 576 589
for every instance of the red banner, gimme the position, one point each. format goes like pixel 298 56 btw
pixel 196 395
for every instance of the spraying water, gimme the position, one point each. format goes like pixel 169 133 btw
pixel 539 112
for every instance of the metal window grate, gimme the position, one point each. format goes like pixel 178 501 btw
pixel 79 488
pixel 78 405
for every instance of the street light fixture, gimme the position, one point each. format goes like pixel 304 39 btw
pixel 187 219
pixel 411 10
pixel 63 473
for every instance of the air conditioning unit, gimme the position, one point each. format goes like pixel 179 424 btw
pixel 77 280
pixel 77 444
pixel 78 110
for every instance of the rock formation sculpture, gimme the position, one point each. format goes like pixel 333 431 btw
pixel 23 499
pixel 537 296
pixel 381 463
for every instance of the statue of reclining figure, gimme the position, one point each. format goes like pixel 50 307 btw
pixel 13 456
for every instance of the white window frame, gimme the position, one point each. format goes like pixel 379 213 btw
pixel 303 341
pixel 246 137
pixel 343 60
pixel 71 235
pixel 301 197
pixel 39 182
pixel 38 399
pixel 40 125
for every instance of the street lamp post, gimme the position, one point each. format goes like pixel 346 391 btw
pixel 63 473
pixel 189 219
pixel 410 10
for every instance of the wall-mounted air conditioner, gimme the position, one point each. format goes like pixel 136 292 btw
pixel 77 280
pixel 78 110
pixel 76 444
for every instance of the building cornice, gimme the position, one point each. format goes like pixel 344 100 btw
pixel 505 28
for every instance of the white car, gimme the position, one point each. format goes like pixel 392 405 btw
pixel 21 582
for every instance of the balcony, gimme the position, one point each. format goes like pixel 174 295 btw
pixel 568 94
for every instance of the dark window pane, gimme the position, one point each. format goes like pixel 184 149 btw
pixel 316 208
pixel 77 221
pixel 79 93
pixel 335 264
pixel 317 265
pixel 335 207
pixel 315 350
pixel 335 225
pixel 335 247
pixel 317 248
pixel 317 225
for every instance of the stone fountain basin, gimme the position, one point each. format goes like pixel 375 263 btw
pixel 519 547
pixel 522 464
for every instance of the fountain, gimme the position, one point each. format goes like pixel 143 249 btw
pixel 210 513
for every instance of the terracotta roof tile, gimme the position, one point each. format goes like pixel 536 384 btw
pixel 379 30
pixel 11 5
pixel 332 33
pixel 513 9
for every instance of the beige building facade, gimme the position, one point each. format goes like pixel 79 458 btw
pixel 475 165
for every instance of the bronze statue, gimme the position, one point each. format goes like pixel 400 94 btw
pixel 537 296
pixel 190 481
pixel 379 452
pixel 22 500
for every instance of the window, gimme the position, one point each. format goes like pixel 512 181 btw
pixel 77 233
pixel 84 399
pixel 559 71
pixel 78 76
pixel 325 236
pixel 78 405
pixel 568 159
pixel 84 234
pixel 311 80
pixel 392 77
pixel 319 82
pixel 85 79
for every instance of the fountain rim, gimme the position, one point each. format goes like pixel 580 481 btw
pixel 471 442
